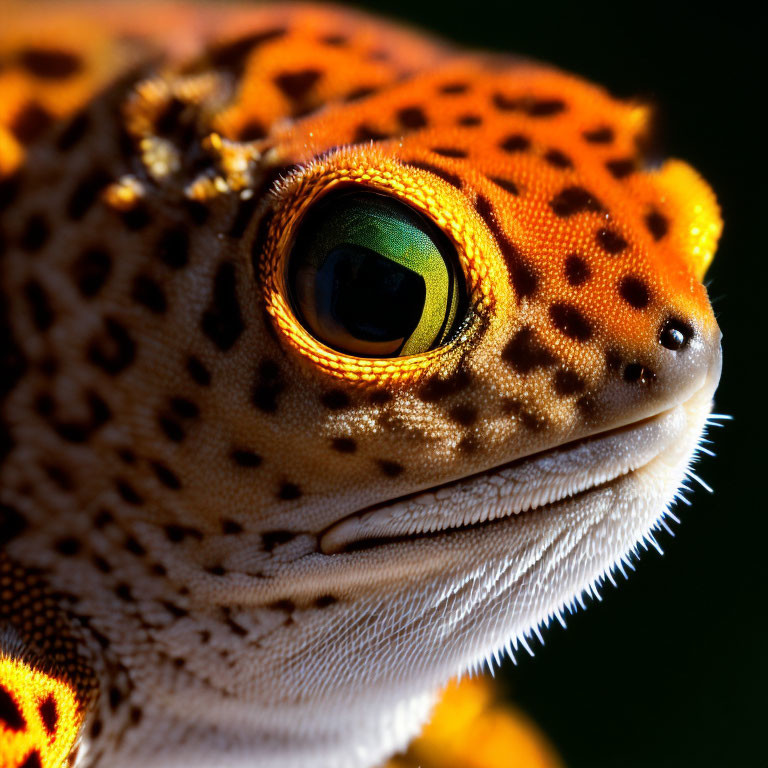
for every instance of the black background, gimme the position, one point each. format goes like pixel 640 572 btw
pixel 669 669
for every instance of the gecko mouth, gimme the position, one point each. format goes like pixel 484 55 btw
pixel 533 482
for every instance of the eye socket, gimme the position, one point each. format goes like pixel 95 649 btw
pixel 371 277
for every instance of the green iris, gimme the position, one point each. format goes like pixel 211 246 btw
pixel 371 277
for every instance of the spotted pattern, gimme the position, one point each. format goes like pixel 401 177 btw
pixel 155 412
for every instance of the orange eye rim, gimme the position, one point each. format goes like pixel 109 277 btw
pixel 444 205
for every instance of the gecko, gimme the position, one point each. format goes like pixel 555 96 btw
pixel 335 361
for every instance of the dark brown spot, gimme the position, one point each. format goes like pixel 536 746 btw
pixel 297 85
pixel 567 383
pixel 49 715
pixel 523 277
pixel 524 352
pixel 602 135
pixel 380 397
pixel 123 592
pixel 184 408
pixel 165 476
pixel 657 223
pixel 10 714
pixel 325 601
pixel 234 55
pixel 96 728
pixel 128 492
pixel 149 294
pixel 135 715
pixel 610 241
pixel 558 159
pixel 360 93
pixel 60 477
pixel 252 130
pixel 35 234
pixel 365 133
pixel 506 103
pixel 136 218
pixel 177 533
pixel 244 216
pixel 31 122
pixel 50 63
pixel 441 173
pixel 634 291
pixel 115 697
pixel 334 40
pixel 103 519
pixel 675 333
pixel 289 492
pixel 390 468
pixel 39 305
pixel 412 117
pixel 506 184
pixel 91 271
pixel 9 190
pixel 621 168
pixel 515 143
pixel 545 107
pixel 635 373
pixel 198 372
pixel 268 386
pixel 173 247
pixel 101 564
pixel 175 610
pixel 86 193
pixel 196 210
pixel 463 414
pixel 12 523
pixel 222 322
pixel 573 200
pixel 449 152
pixel 273 539
pixel 33 761
pixel 437 388
pixel 73 132
pixel 468 444
pixel 114 351
pixel 577 271
pixel 68 546
pixel 453 89
pixel 521 412
pixel 335 399
pixel 216 570
pixel 133 546
pixel 171 428
pixel 570 322
pixel 231 527
pixel 245 458
pixel 343 444
pixel 469 120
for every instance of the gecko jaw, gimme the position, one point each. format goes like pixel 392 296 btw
pixel 530 483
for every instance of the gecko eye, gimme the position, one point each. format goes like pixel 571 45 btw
pixel 371 277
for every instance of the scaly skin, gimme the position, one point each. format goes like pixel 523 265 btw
pixel 228 544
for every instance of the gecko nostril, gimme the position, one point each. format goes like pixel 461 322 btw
pixel 675 334
pixel 635 373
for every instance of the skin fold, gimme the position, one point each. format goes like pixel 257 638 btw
pixel 229 541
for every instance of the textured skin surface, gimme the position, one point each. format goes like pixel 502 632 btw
pixel 222 519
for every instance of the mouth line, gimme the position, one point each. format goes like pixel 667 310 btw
pixel 380 523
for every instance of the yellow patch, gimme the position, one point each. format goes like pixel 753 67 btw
pixel 44 703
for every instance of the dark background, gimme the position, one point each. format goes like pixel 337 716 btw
pixel 670 669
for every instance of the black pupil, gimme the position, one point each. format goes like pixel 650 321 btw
pixel 372 297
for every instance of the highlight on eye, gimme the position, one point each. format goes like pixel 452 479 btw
pixel 369 276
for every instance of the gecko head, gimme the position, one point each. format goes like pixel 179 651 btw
pixel 453 376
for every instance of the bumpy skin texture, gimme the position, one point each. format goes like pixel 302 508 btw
pixel 248 548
